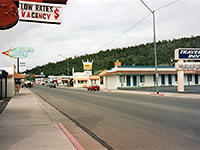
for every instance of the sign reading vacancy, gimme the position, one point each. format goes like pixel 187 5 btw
pixel 187 53
pixel 40 12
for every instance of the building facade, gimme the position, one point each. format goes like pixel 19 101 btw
pixel 144 76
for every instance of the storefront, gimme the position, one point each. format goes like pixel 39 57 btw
pixel 3 84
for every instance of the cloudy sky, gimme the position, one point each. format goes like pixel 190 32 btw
pixel 89 25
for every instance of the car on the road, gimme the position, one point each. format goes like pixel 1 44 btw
pixel 93 87
pixel 48 84
pixel 52 85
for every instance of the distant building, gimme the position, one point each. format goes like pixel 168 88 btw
pixel 143 76
pixel 10 81
pixel 84 80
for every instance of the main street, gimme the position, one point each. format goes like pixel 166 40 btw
pixel 126 121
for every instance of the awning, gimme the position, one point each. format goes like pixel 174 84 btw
pixel 18 76
pixel 94 78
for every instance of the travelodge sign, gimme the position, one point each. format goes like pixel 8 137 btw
pixel 187 54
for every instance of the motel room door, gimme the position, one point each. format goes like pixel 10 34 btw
pixel 134 80
pixel 162 79
pixel 128 80
pixel 196 79
pixel 170 79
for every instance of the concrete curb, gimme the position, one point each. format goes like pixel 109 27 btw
pixel 70 137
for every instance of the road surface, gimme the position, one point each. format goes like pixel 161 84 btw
pixel 126 121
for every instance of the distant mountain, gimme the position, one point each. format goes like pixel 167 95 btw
pixel 134 55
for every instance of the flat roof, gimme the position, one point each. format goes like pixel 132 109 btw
pixel 145 66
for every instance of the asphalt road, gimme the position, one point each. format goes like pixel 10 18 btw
pixel 127 122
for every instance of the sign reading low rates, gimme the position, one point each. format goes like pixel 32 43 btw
pixel 187 54
pixel 40 12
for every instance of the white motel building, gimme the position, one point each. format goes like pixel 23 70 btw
pixel 144 76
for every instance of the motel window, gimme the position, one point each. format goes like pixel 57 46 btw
pixel 189 77
pixel 154 78
pixel 101 80
pixel 176 78
pixel 122 78
pixel 142 79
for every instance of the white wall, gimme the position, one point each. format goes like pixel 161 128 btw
pixel 113 82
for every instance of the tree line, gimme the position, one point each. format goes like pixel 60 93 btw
pixel 139 55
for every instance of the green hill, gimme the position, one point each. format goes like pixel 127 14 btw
pixel 134 55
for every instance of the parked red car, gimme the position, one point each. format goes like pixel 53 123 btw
pixel 94 87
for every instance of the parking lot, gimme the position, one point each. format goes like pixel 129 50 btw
pixel 172 89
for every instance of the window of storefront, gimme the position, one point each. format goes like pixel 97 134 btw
pixel 82 82
pixel 189 77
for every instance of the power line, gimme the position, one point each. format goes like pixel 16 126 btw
pixel 166 5
pixel 137 23
pixel 124 32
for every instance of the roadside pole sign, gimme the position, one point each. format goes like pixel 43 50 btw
pixel 40 12
pixel 22 63
pixel 19 52
pixel 187 54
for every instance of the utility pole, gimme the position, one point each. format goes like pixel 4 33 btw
pixel 154 31
pixel 155 51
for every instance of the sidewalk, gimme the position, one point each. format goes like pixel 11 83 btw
pixel 25 126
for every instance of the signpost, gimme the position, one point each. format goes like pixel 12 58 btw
pixel 19 52
pixel 182 67
pixel 87 66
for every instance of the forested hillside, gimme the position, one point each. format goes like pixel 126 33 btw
pixel 134 55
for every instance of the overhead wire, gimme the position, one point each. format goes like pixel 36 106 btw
pixel 125 32
pixel 135 25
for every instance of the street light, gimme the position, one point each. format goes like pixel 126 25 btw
pixel 155 51
pixel 154 31
pixel 67 63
